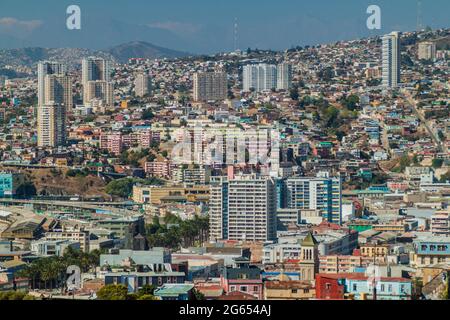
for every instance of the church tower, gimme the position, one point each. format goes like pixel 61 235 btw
pixel 309 258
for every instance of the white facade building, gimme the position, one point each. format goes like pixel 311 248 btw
pixel 284 76
pixel 47 68
pixel 260 77
pixel 243 208
pixel 391 60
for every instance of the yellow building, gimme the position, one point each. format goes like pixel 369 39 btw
pixel 373 250
pixel 124 104
pixel 392 227
pixel 61 162
pixel 165 194
pixel 289 290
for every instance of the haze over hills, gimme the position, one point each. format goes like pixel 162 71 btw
pixel 72 56
pixel 141 49
pixel 30 56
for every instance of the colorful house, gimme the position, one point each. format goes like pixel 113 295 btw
pixel 243 278
pixel 361 287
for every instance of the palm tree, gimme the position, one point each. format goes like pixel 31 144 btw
pixel 94 259
pixel 31 272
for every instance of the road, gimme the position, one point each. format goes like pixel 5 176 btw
pixel 106 206
pixel 385 139
pixel 438 143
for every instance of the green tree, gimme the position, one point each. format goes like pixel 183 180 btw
pixel 437 163
pixel 405 161
pixel 147 297
pixel 147 289
pixel 15 296
pixel 113 292
pixel 198 295
pixel 147 114
pixel 351 102
pixel 294 94
pixel 445 177
pixel 120 188
pixel 180 233
pixel 26 189
pixel 326 74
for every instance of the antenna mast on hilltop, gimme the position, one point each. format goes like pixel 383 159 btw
pixel 419 16
pixel 236 30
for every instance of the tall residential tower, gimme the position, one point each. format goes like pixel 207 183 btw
pixel 47 68
pixel 322 193
pixel 55 99
pixel 284 76
pixel 210 86
pixel 391 60
pixel 259 77
pixel 243 208
pixel 52 125
pixel 94 69
pixel 142 85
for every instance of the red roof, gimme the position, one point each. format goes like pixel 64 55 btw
pixel 237 296
pixel 293 261
pixel 329 225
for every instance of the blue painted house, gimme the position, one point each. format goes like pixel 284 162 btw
pixel 9 183
pixel 386 288
pixel 136 280
pixel 431 251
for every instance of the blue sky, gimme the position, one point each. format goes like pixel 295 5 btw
pixel 206 26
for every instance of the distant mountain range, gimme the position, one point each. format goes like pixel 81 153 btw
pixel 29 57
pixel 140 49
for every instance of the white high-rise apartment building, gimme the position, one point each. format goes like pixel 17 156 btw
pixel 58 89
pixel 316 193
pixel 210 86
pixel 284 76
pixel 47 68
pixel 143 85
pixel 260 77
pixel 391 60
pixel 243 208
pixel 94 69
pixel 101 91
pixel 52 125
pixel 426 51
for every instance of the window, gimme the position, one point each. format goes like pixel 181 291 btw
pixel 232 288
pixel 244 288
pixel 294 290
pixel 382 288
pixel 255 289
pixel 355 287
pixel 328 286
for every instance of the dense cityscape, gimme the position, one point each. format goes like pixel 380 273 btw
pixel 315 173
